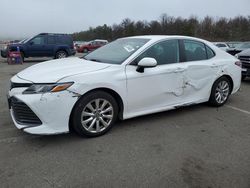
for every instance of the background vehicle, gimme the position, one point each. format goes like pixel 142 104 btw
pixel 126 78
pixel 222 45
pixel 233 44
pixel 44 45
pixel 92 45
pixel 78 44
pixel 244 57
pixel 240 48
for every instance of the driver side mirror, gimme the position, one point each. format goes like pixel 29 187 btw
pixel 31 42
pixel 146 62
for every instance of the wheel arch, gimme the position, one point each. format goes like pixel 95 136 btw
pixel 230 79
pixel 113 93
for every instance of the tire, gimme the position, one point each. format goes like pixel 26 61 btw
pixel 220 92
pixel 61 54
pixel 243 77
pixel 85 50
pixel 22 55
pixel 94 114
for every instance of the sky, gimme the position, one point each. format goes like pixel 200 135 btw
pixel 24 18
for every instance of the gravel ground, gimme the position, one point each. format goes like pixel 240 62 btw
pixel 197 146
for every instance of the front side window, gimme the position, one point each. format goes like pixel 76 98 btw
pixel 165 52
pixel 245 45
pixel 194 50
pixel 40 40
pixel 116 52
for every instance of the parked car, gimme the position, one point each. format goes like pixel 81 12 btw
pixel 44 45
pixel 244 57
pixel 92 45
pixel 78 44
pixel 238 49
pixel 222 45
pixel 126 78
pixel 234 44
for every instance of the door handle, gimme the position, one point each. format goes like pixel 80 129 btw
pixel 179 70
pixel 214 66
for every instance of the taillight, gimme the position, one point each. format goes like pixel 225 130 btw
pixel 238 63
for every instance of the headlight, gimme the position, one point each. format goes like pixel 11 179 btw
pixel 45 88
pixel 5 47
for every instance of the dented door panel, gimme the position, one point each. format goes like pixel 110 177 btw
pixel 157 87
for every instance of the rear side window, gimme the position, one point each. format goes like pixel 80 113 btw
pixel 64 39
pixel 210 53
pixel 51 40
pixel 194 50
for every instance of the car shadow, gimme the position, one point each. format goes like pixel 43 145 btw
pixel 116 131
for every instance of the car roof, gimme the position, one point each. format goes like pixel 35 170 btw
pixel 161 37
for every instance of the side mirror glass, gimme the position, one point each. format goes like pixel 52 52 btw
pixel 146 62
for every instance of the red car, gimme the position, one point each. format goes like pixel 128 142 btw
pixel 92 45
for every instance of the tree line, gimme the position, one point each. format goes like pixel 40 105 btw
pixel 209 28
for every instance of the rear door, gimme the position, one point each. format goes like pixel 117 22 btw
pixel 201 70
pixel 50 47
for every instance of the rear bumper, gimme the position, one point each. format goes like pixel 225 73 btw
pixel 72 52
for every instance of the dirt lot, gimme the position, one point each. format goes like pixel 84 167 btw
pixel 196 146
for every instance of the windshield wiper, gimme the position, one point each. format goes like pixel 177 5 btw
pixel 95 60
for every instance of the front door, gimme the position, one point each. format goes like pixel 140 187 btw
pixel 159 87
pixel 37 46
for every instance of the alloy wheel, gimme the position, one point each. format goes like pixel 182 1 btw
pixel 222 92
pixel 97 115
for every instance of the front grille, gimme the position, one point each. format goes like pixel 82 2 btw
pixel 245 65
pixel 245 61
pixel 244 58
pixel 16 85
pixel 23 114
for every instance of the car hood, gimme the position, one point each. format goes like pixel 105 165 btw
pixel 55 70
pixel 245 52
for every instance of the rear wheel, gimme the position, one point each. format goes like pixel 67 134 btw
pixel 220 92
pixel 95 114
pixel 61 54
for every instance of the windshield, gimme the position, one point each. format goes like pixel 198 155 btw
pixel 23 41
pixel 116 52
pixel 245 45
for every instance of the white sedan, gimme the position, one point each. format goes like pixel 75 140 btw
pixel 126 78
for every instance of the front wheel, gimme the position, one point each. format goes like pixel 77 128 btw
pixel 95 114
pixel 220 92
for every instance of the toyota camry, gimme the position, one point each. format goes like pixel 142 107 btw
pixel 126 78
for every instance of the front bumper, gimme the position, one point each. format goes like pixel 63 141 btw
pixel 245 68
pixel 53 109
pixel 4 53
